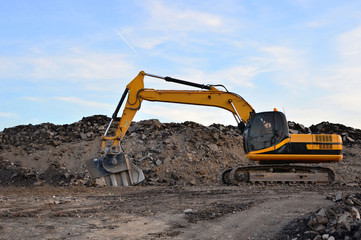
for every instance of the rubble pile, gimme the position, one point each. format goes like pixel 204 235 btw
pixel 31 137
pixel 338 221
pixel 14 174
pixel 184 153
pixel 169 153
pixel 48 153
pixel 349 135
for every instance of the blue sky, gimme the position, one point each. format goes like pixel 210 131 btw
pixel 64 60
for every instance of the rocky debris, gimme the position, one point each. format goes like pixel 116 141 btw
pixel 183 153
pixel 349 135
pixel 32 137
pixel 11 173
pixel 169 153
pixel 16 175
pixel 338 221
pixel 214 211
pixel 296 128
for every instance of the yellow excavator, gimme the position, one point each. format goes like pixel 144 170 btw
pixel 281 157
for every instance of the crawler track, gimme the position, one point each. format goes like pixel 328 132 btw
pixel 279 173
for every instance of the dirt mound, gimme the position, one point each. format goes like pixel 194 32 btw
pixel 349 135
pixel 169 153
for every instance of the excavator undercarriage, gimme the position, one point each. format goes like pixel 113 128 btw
pixel 280 173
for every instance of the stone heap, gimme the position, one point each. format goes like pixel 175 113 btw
pixel 32 136
pixel 349 135
pixel 168 153
pixel 183 153
pixel 341 220
pixel 36 154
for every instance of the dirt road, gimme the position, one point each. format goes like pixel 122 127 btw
pixel 156 212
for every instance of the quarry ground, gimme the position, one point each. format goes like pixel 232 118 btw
pixel 158 212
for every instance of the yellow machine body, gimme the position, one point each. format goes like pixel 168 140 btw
pixel 302 148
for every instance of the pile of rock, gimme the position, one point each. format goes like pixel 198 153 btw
pixel 49 153
pixel 30 136
pixel 296 128
pixel 183 153
pixel 338 221
pixel 17 175
pixel 168 153
pixel 349 135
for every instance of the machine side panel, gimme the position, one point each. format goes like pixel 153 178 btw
pixel 302 148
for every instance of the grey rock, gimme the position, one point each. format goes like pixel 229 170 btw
pixel 349 201
pixel 188 210
pixel 325 236
pixel 355 213
pixel 318 227
pixel 344 221
pixel 213 147
pixel 322 212
pixel 338 197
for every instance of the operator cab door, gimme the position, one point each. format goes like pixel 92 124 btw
pixel 264 130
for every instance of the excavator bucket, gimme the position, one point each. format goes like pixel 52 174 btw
pixel 114 169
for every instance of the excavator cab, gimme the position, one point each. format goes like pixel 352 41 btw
pixel 264 130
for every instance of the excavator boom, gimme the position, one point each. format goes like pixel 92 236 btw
pixel 232 102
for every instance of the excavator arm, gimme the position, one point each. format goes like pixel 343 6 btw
pixel 113 166
pixel 232 102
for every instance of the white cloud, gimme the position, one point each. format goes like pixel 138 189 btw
pixel 282 58
pixel 349 46
pixel 168 112
pixel 333 91
pixel 85 103
pixel 177 18
pixel 93 70
pixel 150 42
pixel 235 75
pixel 96 66
pixel 8 115
pixel 286 64
pixel 316 24
pixel 171 22
pixel 34 99
pixel 343 81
